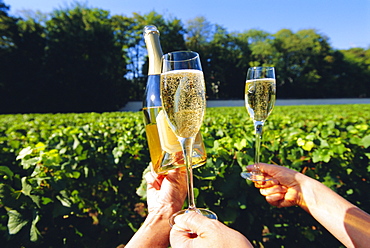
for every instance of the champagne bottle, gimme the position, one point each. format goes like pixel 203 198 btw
pixel 164 147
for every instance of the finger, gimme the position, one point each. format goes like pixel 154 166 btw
pixel 178 174
pixel 266 184
pixel 179 239
pixel 180 235
pixel 276 189
pixel 153 180
pixel 176 180
pixel 275 199
pixel 149 177
pixel 179 228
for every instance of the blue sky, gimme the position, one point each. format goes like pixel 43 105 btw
pixel 345 22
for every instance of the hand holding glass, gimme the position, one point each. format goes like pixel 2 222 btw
pixel 184 102
pixel 260 95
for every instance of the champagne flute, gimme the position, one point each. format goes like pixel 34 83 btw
pixel 183 99
pixel 260 95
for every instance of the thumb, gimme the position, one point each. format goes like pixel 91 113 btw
pixel 192 222
pixel 179 239
pixel 187 227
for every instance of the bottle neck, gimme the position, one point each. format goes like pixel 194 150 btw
pixel 154 51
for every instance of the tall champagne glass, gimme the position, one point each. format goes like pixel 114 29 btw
pixel 183 99
pixel 260 95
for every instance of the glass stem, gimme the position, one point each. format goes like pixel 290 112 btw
pixel 258 125
pixel 187 149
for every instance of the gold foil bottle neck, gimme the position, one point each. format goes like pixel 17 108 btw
pixel 153 45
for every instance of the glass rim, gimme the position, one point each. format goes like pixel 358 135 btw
pixel 260 72
pixel 196 55
pixel 261 67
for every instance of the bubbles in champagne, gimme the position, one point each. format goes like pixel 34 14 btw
pixel 260 95
pixel 183 98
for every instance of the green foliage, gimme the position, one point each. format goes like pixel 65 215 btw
pixel 70 179
pixel 73 179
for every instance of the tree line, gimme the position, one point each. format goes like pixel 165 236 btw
pixel 79 59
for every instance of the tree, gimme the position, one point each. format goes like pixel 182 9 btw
pixel 260 45
pixel 302 61
pixel 352 73
pixel 22 53
pixel 225 59
pixel 80 59
pixel 84 62
pixel 7 27
pixel 8 30
pixel 199 31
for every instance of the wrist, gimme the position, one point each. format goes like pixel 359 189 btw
pixel 158 221
pixel 154 232
pixel 164 211
pixel 306 194
pixel 165 207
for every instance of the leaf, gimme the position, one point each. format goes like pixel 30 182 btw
pixel 64 200
pixel 28 163
pixel 365 141
pixel 322 155
pixel 205 175
pixel 117 153
pixel 301 142
pixel 40 146
pixel 16 222
pixel 355 140
pixel 9 197
pixel 141 190
pixel 46 200
pixel 36 200
pixel 34 232
pixel 26 188
pixel 4 170
pixel 349 192
pixel 196 192
pixel 241 144
pixel 76 142
pixel 324 143
pixel 308 146
pixel 339 149
pixel 24 152
pixel 243 159
pixel 74 174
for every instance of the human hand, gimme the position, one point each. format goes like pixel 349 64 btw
pixel 205 233
pixel 165 196
pixel 284 189
pixel 166 193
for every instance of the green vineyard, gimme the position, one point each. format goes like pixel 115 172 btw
pixel 75 180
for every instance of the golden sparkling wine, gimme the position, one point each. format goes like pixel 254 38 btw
pixel 164 148
pixel 186 114
pixel 260 98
